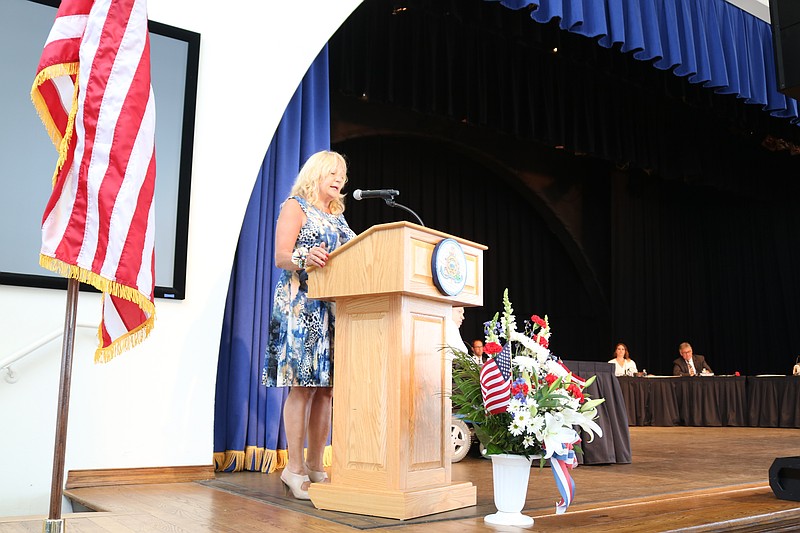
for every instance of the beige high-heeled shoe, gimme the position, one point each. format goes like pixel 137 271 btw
pixel 316 476
pixel 294 482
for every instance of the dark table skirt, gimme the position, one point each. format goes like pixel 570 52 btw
pixel 712 401
pixel 773 401
pixel 615 444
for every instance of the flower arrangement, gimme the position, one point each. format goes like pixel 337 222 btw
pixel 523 400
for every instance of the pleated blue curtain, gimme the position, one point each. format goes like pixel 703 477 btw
pixel 711 42
pixel 248 417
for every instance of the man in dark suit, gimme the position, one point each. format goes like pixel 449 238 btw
pixel 477 351
pixel 689 364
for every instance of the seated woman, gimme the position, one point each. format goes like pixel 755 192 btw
pixel 623 364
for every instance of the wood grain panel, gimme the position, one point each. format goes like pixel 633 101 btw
pixel 135 476
pixel 421 255
pixel 427 334
pixel 474 269
pixel 367 376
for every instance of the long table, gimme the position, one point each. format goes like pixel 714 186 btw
pixel 712 401
pixel 774 401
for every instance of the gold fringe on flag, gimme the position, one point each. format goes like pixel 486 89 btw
pixel 61 143
pixel 130 339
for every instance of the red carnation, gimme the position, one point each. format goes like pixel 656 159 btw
pixel 539 321
pixel 519 388
pixel 576 391
pixel 492 348
pixel 542 341
pixel 550 378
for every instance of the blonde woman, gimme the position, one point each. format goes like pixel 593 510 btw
pixel 300 348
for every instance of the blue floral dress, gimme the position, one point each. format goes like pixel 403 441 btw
pixel 300 346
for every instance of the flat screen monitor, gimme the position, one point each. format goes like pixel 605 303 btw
pixel 29 157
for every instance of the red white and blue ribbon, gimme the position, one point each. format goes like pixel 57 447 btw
pixel 577 379
pixel 561 465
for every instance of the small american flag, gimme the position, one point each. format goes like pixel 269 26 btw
pixel 92 91
pixel 496 381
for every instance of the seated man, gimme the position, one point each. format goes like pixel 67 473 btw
pixel 477 352
pixel 689 364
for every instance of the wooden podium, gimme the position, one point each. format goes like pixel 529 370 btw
pixel 392 379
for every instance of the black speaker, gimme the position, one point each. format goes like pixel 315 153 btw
pixel 784 478
pixel 785 20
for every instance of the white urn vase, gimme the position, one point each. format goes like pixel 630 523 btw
pixel 510 475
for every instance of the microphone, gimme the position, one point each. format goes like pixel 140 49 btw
pixel 385 194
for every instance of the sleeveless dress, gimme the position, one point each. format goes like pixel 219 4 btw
pixel 300 346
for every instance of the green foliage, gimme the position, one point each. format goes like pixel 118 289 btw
pixel 491 430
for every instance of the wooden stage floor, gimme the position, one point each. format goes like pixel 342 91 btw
pixel 681 479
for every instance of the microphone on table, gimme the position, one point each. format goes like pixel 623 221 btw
pixel 384 194
pixel 387 195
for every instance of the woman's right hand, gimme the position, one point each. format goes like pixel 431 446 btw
pixel 317 256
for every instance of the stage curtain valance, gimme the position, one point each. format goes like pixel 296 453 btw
pixel 710 42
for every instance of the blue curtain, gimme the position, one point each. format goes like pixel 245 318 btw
pixel 248 417
pixel 711 42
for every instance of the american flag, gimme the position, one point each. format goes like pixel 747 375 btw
pixel 496 381
pixel 92 91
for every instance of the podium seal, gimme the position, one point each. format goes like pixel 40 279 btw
pixel 449 267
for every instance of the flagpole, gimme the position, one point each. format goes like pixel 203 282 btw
pixel 54 522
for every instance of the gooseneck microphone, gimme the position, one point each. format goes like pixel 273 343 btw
pixel 384 194
pixel 387 195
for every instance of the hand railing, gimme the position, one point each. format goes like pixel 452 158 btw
pixel 5 364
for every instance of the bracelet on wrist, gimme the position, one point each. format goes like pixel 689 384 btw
pixel 299 257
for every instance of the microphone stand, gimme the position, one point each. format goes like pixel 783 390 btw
pixel 391 203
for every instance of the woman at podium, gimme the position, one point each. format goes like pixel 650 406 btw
pixel 299 350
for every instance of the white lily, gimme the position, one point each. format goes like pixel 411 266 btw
pixel 575 418
pixel 557 434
